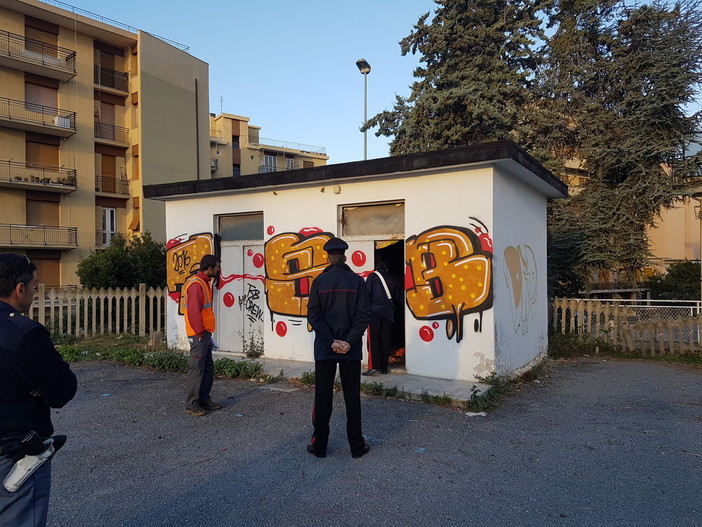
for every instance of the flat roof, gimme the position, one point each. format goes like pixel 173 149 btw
pixel 499 153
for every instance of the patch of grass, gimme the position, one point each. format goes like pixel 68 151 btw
pixel 253 347
pixel 373 388
pixel 307 378
pixel 500 386
pixel 171 361
pixel 440 400
pixel 272 379
pixel 238 369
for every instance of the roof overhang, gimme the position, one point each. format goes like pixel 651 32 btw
pixel 505 154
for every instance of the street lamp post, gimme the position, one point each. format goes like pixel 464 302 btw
pixel 365 69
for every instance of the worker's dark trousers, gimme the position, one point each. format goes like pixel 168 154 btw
pixel 324 375
pixel 200 375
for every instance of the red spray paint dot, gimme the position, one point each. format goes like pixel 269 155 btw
pixel 270 230
pixel 249 252
pixel 281 328
pixel 426 334
pixel 228 299
pixel 435 325
pixel 258 260
pixel 358 258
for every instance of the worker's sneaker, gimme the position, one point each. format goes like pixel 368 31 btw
pixel 211 405
pixel 196 410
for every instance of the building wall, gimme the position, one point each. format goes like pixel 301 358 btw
pixel 450 220
pixel 521 299
pixel 676 236
pixel 174 121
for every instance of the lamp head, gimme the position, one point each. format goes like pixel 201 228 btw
pixel 363 66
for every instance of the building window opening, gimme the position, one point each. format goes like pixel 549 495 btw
pixel 241 227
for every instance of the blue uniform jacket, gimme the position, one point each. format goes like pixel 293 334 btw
pixel 29 361
pixel 338 309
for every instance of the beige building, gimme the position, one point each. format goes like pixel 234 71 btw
pixel 90 112
pixel 237 148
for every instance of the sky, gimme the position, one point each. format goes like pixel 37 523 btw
pixel 290 66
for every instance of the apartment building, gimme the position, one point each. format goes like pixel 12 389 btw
pixel 90 111
pixel 237 148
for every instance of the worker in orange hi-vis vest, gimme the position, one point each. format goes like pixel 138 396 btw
pixel 199 325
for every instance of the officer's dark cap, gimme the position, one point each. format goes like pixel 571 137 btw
pixel 336 245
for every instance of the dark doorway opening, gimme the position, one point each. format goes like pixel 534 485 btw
pixel 392 252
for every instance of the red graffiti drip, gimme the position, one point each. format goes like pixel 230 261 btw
pixel 174 241
pixel 229 300
pixel 224 280
pixel 281 328
pixel 270 230
pixel 258 260
pixel 175 296
pixel 426 334
pixel 435 325
pixel 309 231
pixel 358 258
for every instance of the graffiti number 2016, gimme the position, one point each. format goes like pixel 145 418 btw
pixel 181 261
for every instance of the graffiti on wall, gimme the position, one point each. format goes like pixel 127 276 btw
pixel 182 259
pixel 521 277
pixel 249 304
pixel 449 275
pixel 293 261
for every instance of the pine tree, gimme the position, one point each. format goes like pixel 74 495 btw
pixel 477 66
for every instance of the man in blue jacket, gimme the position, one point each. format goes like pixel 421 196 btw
pixel 338 310
pixel 33 379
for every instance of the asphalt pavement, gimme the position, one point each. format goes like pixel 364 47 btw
pixel 593 443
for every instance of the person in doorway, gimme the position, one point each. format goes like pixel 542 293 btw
pixel 338 311
pixel 199 326
pixel 383 295
pixel 33 379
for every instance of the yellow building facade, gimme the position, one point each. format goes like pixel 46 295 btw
pixel 238 148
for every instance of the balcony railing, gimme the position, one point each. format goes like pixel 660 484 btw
pixel 111 78
pixel 112 132
pixel 103 238
pixel 15 172
pixel 37 236
pixel 21 49
pixel 112 185
pixel 29 113
pixel 287 144
pixel 265 169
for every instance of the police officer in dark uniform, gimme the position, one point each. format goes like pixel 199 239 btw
pixel 338 311
pixel 33 379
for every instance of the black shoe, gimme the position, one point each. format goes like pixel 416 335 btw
pixel 210 405
pixel 363 452
pixel 311 450
pixel 369 372
pixel 384 372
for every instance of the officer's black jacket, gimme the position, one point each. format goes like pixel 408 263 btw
pixel 29 361
pixel 338 309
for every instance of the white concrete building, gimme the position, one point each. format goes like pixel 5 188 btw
pixel 465 229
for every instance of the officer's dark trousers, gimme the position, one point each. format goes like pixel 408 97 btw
pixel 324 375
pixel 380 335
pixel 28 507
pixel 200 371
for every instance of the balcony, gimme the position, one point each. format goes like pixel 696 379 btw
pixel 111 134
pixel 287 145
pixel 104 238
pixel 31 236
pixel 112 185
pixel 28 177
pixel 37 118
pixel 25 54
pixel 115 81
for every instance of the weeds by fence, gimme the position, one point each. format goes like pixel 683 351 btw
pixel 89 312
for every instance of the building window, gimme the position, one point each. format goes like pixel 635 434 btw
pixel 235 142
pixel 290 163
pixel 373 218
pixel 236 170
pixel 109 226
pixel 241 227
pixel 270 163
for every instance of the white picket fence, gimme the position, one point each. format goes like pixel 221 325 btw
pixel 88 312
pixel 645 326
